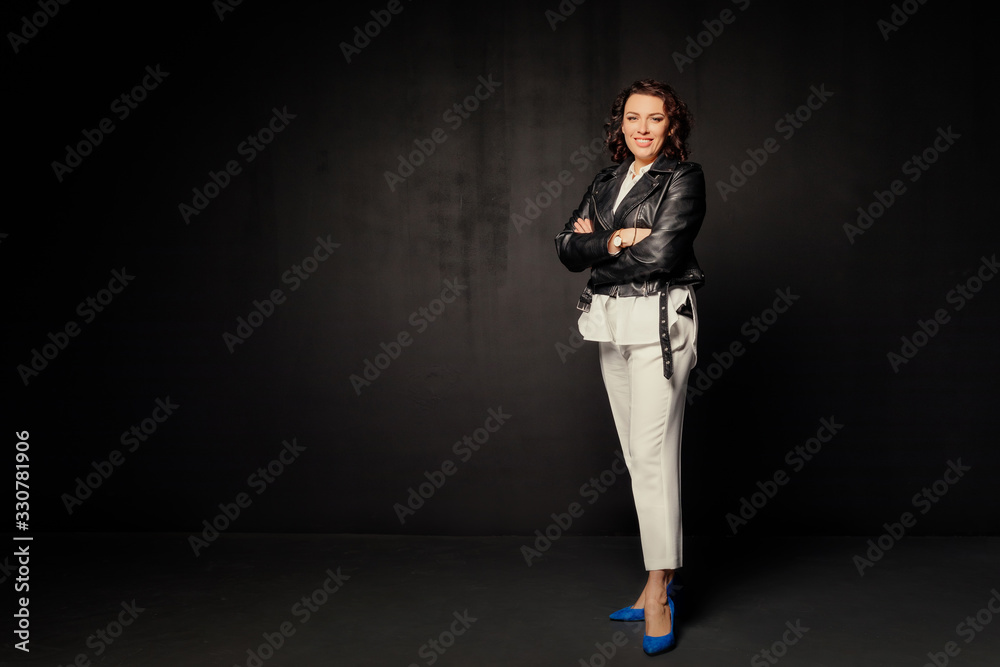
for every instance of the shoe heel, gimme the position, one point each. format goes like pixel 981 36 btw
pixel 657 645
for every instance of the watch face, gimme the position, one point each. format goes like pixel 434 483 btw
pixel 618 242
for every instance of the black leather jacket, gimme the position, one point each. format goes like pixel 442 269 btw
pixel 670 200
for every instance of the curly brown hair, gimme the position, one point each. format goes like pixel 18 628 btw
pixel 678 117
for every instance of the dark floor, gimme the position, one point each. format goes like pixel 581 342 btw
pixel 405 601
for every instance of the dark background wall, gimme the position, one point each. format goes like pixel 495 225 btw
pixel 503 337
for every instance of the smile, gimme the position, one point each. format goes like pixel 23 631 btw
pixel 643 143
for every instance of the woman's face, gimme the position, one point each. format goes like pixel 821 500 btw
pixel 644 126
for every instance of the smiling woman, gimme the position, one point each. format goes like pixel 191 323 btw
pixel 635 230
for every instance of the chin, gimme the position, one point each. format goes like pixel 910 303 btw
pixel 646 153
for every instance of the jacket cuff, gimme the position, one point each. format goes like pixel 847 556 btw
pixel 597 245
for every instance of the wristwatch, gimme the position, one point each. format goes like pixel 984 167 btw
pixel 617 240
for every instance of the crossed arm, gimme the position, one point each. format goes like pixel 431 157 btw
pixel 657 249
pixel 585 226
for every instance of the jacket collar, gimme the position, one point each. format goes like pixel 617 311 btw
pixel 661 164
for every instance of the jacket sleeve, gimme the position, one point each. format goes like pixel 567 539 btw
pixel 678 218
pixel 581 251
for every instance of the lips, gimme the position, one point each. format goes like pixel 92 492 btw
pixel 643 143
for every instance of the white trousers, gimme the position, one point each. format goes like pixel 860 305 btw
pixel 649 414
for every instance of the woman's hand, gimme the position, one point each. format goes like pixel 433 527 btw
pixel 629 236
pixel 583 226
pixel 640 235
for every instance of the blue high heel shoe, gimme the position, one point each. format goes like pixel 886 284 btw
pixel 633 614
pixel 658 645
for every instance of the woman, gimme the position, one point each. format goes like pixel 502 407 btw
pixel 634 230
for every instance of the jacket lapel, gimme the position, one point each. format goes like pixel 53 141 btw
pixel 647 182
pixel 605 199
pixel 643 187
